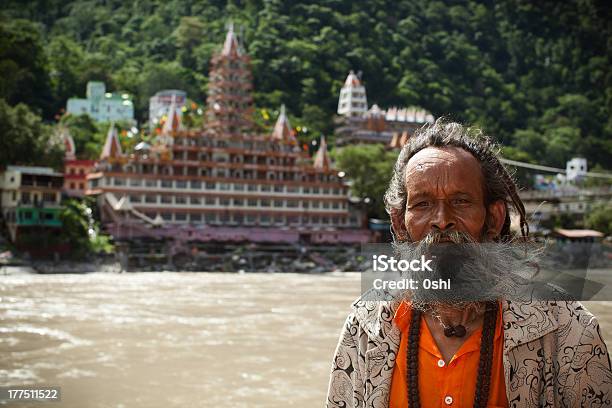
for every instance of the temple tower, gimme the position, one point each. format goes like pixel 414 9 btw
pixel 229 102
pixel 353 100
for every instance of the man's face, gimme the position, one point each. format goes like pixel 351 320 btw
pixel 445 193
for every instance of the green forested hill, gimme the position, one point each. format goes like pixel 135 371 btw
pixel 535 74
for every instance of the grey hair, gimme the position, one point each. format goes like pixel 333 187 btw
pixel 499 184
pixel 479 271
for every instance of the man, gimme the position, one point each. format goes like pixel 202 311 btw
pixel 449 186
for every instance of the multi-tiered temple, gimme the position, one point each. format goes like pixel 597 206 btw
pixel 358 124
pixel 224 182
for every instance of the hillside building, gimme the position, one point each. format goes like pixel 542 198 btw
pixel 31 200
pixel 353 100
pixel 159 104
pixel 102 106
pixel 356 123
pixel 75 170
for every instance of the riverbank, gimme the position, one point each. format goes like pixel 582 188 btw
pixel 20 267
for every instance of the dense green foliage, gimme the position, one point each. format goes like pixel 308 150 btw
pixel 600 218
pixel 534 74
pixel 81 231
pixel 89 136
pixel 369 167
pixel 24 139
pixel 24 70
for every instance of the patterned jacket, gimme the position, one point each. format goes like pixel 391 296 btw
pixel 553 356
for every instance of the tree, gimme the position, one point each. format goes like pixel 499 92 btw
pixel 189 35
pixel 530 142
pixel 562 144
pixel 369 168
pixel 600 218
pixel 88 135
pixel 24 139
pixel 24 76
pixel 80 230
pixel 66 58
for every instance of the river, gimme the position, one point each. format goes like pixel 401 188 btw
pixel 179 339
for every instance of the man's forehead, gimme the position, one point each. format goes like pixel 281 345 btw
pixel 435 156
pixel 452 161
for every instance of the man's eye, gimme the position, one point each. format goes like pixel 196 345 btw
pixel 421 204
pixel 460 201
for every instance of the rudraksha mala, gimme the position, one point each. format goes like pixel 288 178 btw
pixel 483 379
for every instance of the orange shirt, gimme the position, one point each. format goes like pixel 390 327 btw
pixel 446 385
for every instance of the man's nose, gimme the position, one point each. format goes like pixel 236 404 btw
pixel 443 219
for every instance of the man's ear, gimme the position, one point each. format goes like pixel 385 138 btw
pixel 398 225
pixel 495 218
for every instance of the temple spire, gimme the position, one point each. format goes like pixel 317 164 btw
pixel 282 128
pixel 112 146
pixel 173 122
pixel 231 46
pixel 321 158
pixel 69 149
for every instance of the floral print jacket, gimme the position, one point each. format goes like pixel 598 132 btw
pixel 554 356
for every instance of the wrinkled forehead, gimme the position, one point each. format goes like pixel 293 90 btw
pixel 443 169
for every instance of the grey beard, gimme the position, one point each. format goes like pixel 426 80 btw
pixel 478 271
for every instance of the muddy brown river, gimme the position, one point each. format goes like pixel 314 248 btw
pixel 179 339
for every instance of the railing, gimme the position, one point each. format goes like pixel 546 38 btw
pixel 28 182
pixel 563 193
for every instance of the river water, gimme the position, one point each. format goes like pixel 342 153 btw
pixel 179 339
pixel 174 339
